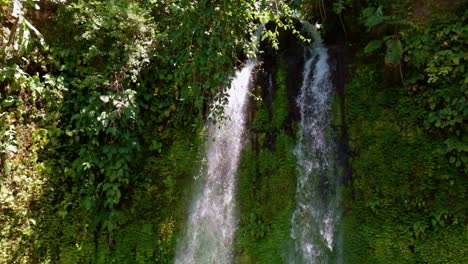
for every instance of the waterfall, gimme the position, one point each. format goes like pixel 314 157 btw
pixel 314 219
pixel 211 226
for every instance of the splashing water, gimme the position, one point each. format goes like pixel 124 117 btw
pixel 211 226
pixel 313 221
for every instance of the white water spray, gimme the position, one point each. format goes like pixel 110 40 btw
pixel 212 223
pixel 313 221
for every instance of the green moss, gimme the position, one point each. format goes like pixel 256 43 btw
pixel 280 101
pixel 262 119
pixel 401 191
pixel 78 253
pixel 135 243
pixel 266 202
pixel 149 219
pixel 336 109
pixel 447 246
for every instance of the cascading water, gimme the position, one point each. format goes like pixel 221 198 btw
pixel 314 219
pixel 211 226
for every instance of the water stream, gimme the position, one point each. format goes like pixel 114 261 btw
pixel 212 223
pixel 314 219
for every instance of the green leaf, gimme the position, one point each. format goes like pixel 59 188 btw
pixel 107 186
pixel 373 17
pixel 394 52
pixel 373 46
pixel 87 203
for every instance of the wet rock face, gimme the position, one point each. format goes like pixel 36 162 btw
pixel 340 57
pixel 294 60
pixel 291 55
pixel 291 52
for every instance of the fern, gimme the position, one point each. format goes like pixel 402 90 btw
pixel 373 46
pixel 373 17
pixel 394 51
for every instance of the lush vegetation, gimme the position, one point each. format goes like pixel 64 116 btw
pixel 267 174
pixel 102 104
pixel 406 111
pixel 102 107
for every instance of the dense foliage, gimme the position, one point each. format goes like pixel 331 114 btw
pixel 267 176
pixel 91 92
pixel 103 103
pixel 406 111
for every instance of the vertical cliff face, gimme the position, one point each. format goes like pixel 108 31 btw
pixel 268 171
pixel 340 58
pixel 401 183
